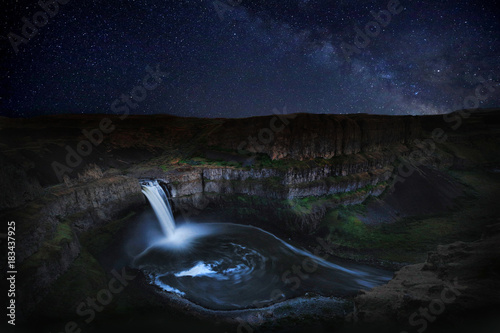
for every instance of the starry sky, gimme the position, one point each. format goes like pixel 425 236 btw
pixel 239 58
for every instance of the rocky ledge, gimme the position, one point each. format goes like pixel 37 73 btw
pixel 458 280
pixel 48 228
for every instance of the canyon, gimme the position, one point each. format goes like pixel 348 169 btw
pixel 283 173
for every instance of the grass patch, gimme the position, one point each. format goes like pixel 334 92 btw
pixel 51 247
pixel 410 239
pixel 306 205
pixel 84 278
pixel 202 161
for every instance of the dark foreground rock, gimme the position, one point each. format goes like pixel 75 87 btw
pixel 48 229
pixel 457 282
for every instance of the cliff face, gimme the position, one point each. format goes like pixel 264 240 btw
pixel 341 180
pixel 48 228
pixel 337 154
pixel 274 183
pixel 33 145
pixel 52 216
pixel 308 136
pixel 300 166
pixel 87 205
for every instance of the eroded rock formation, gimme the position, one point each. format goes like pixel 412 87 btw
pixel 459 279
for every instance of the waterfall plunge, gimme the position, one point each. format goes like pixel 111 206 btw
pixel 224 266
pixel 159 201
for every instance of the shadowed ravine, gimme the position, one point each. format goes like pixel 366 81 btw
pixel 229 266
pixel 338 186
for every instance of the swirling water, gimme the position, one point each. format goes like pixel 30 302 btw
pixel 227 266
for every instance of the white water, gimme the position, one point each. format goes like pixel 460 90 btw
pixel 226 266
pixel 159 201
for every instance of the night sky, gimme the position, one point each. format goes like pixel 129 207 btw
pixel 247 57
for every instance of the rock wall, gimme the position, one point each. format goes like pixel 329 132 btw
pixel 274 187
pixel 272 193
pixel 358 153
pixel 308 136
pixel 338 176
pixel 86 206
pixel 48 229
pixel 30 146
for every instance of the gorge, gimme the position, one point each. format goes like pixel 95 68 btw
pixel 369 193
pixel 230 266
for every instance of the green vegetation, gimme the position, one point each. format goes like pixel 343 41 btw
pixel 51 247
pixel 264 161
pixel 198 158
pixel 290 211
pixel 63 234
pixel 409 239
pixel 202 161
pixel 306 204
pixel 343 222
pixel 85 277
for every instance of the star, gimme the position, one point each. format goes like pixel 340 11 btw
pixel 255 57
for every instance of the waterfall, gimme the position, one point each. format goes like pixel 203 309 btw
pixel 159 201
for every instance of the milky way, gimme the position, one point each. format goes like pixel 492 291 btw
pixel 238 58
